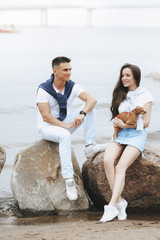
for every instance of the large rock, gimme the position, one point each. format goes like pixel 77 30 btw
pixel 37 184
pixel 155 76
pixel 142 186
pixel 2 158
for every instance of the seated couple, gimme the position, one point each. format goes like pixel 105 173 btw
pixel 56 123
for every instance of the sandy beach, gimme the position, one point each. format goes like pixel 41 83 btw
pixel 81 228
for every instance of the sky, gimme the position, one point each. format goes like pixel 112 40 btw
pixel 101 16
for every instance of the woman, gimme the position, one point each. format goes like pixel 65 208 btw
pixel 131 139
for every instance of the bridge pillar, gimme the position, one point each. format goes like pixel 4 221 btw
pixel 44 18
pixel 89 17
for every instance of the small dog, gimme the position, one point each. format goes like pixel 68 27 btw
pixel 129 118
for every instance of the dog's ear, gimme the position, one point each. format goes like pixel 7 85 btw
pixel 138 109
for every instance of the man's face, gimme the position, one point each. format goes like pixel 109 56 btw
pixel 63 71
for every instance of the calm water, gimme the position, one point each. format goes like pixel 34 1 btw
pixel 97 55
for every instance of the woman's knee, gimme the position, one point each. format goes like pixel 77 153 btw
pixel 108 162
pixel 120 169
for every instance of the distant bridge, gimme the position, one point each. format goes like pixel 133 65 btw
pixel 45 4
pixel 89 5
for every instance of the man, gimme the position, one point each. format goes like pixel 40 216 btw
pixel 56 123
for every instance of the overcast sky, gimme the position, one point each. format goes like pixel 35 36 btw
pixel 123 13
pixel 91 3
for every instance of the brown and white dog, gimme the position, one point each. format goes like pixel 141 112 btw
pixel 130 118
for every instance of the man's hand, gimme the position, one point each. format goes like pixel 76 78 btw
pixel 78 120
pixel 70 125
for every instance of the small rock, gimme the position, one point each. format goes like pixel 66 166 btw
pixel 2 158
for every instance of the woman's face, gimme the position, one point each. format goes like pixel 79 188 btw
pixel 128 79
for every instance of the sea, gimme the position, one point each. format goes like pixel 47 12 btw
pixel 97 55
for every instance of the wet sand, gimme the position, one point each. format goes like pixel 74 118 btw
pixel 81 227
pixel 153 138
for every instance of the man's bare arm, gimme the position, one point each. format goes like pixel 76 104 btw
pixel 90 102
pixel 47 117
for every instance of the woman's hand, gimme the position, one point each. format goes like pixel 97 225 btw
pixel 118 123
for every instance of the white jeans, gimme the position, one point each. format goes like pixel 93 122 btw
pixel 63 137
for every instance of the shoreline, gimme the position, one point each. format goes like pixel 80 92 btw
pixel 81 227
pixel 153 137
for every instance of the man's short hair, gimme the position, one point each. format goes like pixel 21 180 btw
pixel 58 60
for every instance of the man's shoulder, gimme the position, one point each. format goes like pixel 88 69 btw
pixel 42 95
pixel 42 91
pixel 77 86
pixel 77 90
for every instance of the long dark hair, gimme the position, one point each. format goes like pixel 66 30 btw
pixel 120 92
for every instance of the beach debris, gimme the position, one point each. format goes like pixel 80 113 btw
pixel 2 158
pixel 9 29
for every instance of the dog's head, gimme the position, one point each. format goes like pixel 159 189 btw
pixel 139 110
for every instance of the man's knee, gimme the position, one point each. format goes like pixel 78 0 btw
pixel 65 136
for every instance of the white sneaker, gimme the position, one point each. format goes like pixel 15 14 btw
pixel 71 189
pixel 109 213
pixel 121 207
pixel 94 149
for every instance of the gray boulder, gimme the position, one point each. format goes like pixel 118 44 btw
pixel 155 76
pixel 2 158
pixel 37 184
pixel 142 186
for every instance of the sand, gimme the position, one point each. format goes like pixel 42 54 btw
pixel 80 230
pixel 80 227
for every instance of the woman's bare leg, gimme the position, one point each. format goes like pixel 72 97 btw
pixel 129 155
pixel 112 152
